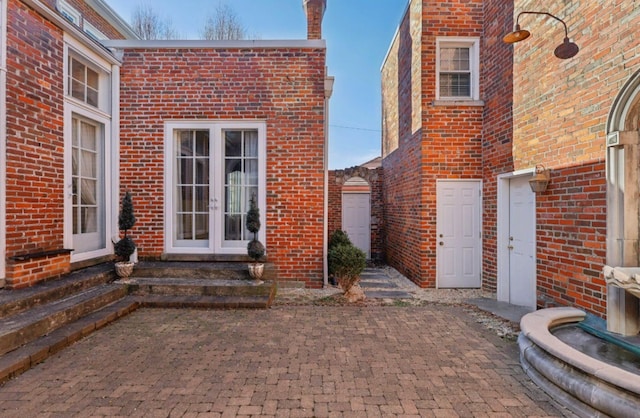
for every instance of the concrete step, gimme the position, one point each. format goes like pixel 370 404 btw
pixel 23 358
pixel 27 326
pixel 13 302
pixel 199 270
pixel 213 293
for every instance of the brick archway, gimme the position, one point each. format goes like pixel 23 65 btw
pixel 623 204
pixel 339 181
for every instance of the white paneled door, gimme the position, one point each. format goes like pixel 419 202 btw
pixel 522 260
pixel 459 243
pixel 356 219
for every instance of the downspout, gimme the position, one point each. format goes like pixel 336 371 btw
pixel 328 91
pixel 3 139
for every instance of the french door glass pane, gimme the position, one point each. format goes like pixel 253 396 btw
pixel 192 185
pixel 241 180
pixel 87 168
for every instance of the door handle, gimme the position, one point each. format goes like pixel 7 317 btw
pixel 510 247
pixel 441 243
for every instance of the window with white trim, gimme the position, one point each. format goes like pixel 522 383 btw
pixel 458 69
pixel 92 31
pixel 68 12
pixel 88 83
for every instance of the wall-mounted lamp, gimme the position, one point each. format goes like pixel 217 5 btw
pixel 565 50
pixel 540 179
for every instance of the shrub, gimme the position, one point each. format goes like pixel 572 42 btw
pixel 339 237
pixel 255 249
pixel 346 263
pixel 126 219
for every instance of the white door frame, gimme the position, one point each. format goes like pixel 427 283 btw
pixel 502 233
pixel 106 114
pixel 216 225
pixel 480 222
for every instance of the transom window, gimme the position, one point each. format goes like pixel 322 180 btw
pixel 84 82
pixel 457 69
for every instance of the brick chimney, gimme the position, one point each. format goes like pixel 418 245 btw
pixel 315 11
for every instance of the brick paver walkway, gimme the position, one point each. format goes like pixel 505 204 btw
pixel 286 361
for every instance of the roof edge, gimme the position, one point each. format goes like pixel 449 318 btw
pixel 114 19
pixel 235 44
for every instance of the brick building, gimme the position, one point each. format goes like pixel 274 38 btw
pixel 193 129
pixel 467 119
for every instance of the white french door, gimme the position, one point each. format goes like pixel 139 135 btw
pixel 88 185
pixel 214 170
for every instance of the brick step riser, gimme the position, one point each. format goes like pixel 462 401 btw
pixel 18 338
pixel 195 273
pixel 21 305
pixel 186 290
pixel 231 303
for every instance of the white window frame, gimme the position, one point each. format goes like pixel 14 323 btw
pixel 93 32
pixel 106 115
pixel 473 43
pixel 69 12
pixel 216 129
pixel 105 85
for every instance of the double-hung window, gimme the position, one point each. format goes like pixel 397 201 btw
pixel 458 70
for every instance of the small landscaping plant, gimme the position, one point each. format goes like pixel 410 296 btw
pixel 346 261
pixel 126 219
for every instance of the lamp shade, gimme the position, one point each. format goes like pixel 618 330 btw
pixel 540 180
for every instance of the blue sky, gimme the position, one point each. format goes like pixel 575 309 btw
pixel 358 35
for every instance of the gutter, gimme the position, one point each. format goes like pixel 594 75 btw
pixel 113 18
pixel 72 30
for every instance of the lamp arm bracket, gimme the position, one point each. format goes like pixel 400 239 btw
pixel 528 12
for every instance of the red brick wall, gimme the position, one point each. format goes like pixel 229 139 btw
pixel 374 177
pixel 560 109
pixel 571 235
pixel 447 146
pixel 497 153
pixel 285 87
pixel 35 146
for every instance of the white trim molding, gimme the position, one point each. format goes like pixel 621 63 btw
pixel 3 138
pixel 502 232
pixel 114 19
pixel 106 114
pixel 201 44
pixel 216 244
pixel 473 43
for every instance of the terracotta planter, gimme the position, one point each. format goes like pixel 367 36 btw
pixel 256 271
pixel 124 269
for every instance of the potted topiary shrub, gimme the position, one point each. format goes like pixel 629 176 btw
pixel 125 247
pixel 255 249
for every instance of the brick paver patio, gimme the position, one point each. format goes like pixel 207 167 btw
pixel 286 361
